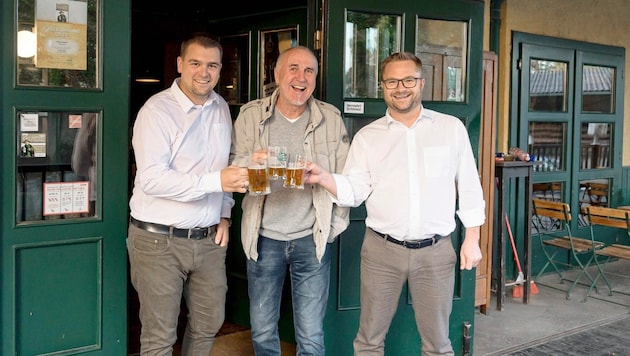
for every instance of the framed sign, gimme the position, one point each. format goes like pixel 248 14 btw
pixel 272 43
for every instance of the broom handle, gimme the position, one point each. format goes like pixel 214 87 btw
pixel 509 229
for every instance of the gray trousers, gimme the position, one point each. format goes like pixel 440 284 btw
pixel 430 274
pixel 163 269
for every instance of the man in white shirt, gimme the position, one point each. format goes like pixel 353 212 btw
pixel 410 167
pixel 181 204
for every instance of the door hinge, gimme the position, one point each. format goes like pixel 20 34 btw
pixel 467 339
pixel 317 40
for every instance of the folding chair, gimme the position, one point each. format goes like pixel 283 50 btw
pixel 552 222
pixel 611 217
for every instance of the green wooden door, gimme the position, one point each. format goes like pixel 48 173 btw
pixel 358 35
pixel 64 223
pixel 569 115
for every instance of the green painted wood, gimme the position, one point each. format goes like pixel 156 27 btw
pixel 59 314
pixel 64 281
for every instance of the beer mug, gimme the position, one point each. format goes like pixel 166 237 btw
pixel 258 179
pixel 277 162
pixel 295 172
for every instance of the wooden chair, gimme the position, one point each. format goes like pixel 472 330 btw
pixel 611 217
pixel 552 222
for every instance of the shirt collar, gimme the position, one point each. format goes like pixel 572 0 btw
pixel 424 114
pixel 184 102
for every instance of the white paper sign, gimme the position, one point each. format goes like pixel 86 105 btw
pixel 353 107
pixel 66 198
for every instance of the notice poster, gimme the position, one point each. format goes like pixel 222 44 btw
pixel 66 198
pixel 61 27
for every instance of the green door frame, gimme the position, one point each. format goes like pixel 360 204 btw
pixel 64 281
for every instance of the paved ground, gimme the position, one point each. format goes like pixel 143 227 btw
pixel 550 316
pixel 606 339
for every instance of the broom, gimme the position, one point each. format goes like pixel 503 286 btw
pixel 517 289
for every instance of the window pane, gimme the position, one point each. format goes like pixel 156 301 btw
pixel 597 89
pixel 593 192
pixel 233 83
pixel 595 146
pixel 369 39
pixel 547 142
pixel 56 165
pixel 547 86
pixel 57 44
pixel 552 191
pixel 443 48
pixel 548 191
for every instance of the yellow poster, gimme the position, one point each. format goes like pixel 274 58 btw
pixel 61 29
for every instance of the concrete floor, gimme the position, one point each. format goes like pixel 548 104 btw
pixel 549 314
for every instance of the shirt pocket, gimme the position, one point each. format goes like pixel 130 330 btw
pixel 437 161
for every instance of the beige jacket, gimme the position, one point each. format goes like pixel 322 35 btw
pixel 326 143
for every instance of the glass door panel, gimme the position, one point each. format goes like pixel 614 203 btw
pixel 598 85
pixel 369 39
pixel 57 165
pixel 58 43
pixel 595 145
pixel 443 48
pixel 547 86
pixel 547 143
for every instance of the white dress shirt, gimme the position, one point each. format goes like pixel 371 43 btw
pixel 412 178
pixel 180 149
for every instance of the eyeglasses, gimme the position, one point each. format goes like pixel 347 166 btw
pixel 407 83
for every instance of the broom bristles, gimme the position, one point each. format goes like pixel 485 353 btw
pixel 517 290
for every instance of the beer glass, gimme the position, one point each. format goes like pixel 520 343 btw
pixel 295 172
pixel 258 179
pixel 277 161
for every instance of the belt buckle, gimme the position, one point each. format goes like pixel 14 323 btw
pixel 412 245
pixel 202 231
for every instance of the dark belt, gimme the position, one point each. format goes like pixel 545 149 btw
pixel 412 244
pixel 196 233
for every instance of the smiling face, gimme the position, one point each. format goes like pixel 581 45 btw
pixel 199 68
pixel 402 101
pixel 295 75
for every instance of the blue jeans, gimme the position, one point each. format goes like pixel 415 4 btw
pixel 309 291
